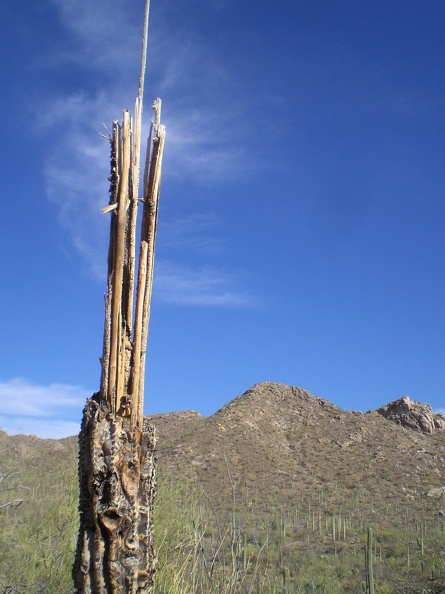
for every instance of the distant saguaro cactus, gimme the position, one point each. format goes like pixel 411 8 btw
pixel 117 474
pixel 369 568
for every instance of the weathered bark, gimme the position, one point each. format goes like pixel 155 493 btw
pixel 117 487
pixel 117 472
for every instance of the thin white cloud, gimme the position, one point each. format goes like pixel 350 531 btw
pixel 199 106
pixel 202 286
pixel 44 428
pixel 103 36
pixel 202 145
pixel 76 172
pixel 206 137
pixel 194 232
pixel 54 410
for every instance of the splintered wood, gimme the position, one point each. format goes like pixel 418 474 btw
pixel 125 343
pixel 117 475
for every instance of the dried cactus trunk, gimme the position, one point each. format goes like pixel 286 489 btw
pixel 117 474
pixel 117 487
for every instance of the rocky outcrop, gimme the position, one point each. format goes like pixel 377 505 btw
pixel 413 415
pixel 436 492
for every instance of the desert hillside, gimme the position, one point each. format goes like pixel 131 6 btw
pixel 279 485
pixel 282 445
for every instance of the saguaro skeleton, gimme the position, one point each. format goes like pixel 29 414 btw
pixel 116 449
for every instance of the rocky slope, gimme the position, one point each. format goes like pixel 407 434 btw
pixel 276 445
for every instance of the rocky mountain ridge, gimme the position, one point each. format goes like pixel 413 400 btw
pixel 276 444
pixel 282 444
pixel 403 411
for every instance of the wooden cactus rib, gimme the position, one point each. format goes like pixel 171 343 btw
pixel 118 359
pixel 135 169
pixel 132 219
pixel 125 336
pixel 114 184
pixel 151 209
pixel 152 177
pixel 115 387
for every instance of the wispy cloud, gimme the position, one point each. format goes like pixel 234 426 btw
pixel 197 284
pixel 45 428
pixel 202 145
pixel 202 286
pixel 76 175
pixel 103 36
pixel 203 142
pixel 47 411
pixel 194 232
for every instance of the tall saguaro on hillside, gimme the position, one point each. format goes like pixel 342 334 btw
pixel 117 474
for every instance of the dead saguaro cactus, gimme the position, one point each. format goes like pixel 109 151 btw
pixel 117 474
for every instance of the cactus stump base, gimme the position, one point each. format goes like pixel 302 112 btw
pixel 117 488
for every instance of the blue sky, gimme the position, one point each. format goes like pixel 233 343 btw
pixel 302 210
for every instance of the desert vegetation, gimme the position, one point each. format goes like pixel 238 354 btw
pixel 343 524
